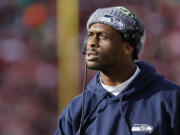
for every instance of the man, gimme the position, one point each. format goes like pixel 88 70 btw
pixel 125 97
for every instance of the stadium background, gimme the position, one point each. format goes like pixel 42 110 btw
pixel 30 77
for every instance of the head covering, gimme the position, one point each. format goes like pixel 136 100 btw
pixel 122 20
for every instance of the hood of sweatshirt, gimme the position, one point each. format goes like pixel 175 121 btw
pixel 146 77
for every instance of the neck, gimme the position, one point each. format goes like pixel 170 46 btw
pixel 117 76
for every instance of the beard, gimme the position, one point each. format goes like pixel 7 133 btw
pixel 99 65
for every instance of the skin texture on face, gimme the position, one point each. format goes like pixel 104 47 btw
pixel 108 52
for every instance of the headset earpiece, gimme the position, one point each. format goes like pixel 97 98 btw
pixel 133 37
pixel 84 45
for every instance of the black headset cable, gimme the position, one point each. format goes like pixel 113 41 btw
pixel 82 101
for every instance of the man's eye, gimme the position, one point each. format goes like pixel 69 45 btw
pixel 103 36
pixel 90 34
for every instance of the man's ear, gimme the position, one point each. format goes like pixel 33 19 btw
pixel 128 49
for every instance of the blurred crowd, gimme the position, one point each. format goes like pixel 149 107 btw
pixel 28 67
pixel 28 56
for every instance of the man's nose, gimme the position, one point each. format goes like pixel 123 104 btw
pixel 92 42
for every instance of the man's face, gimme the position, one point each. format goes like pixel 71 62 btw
pixel 105 47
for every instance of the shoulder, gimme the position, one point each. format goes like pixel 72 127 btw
pixel 168 85
pixel 163 91
pixel 167 92
pixel 73 109
pixel 75 106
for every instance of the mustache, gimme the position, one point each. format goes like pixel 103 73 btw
pixel 91 51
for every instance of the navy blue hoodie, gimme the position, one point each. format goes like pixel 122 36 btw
pixel 150 105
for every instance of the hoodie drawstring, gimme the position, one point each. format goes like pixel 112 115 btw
pixel 122 113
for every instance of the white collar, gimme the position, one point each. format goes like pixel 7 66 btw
pixel 115 90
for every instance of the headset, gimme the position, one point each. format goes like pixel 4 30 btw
pixel 82 101
pixel 134 37
pixel 83 51
pixel 84 47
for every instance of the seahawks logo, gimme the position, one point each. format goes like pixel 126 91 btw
pixel 114 21
pixel 142 128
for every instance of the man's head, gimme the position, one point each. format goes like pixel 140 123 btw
pixel 110 31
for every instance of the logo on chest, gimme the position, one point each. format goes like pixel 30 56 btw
pixel 142 128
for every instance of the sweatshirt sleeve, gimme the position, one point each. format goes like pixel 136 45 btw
pixel 176 116
pixel 64 126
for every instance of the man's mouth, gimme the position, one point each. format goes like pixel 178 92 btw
pixel 91 55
